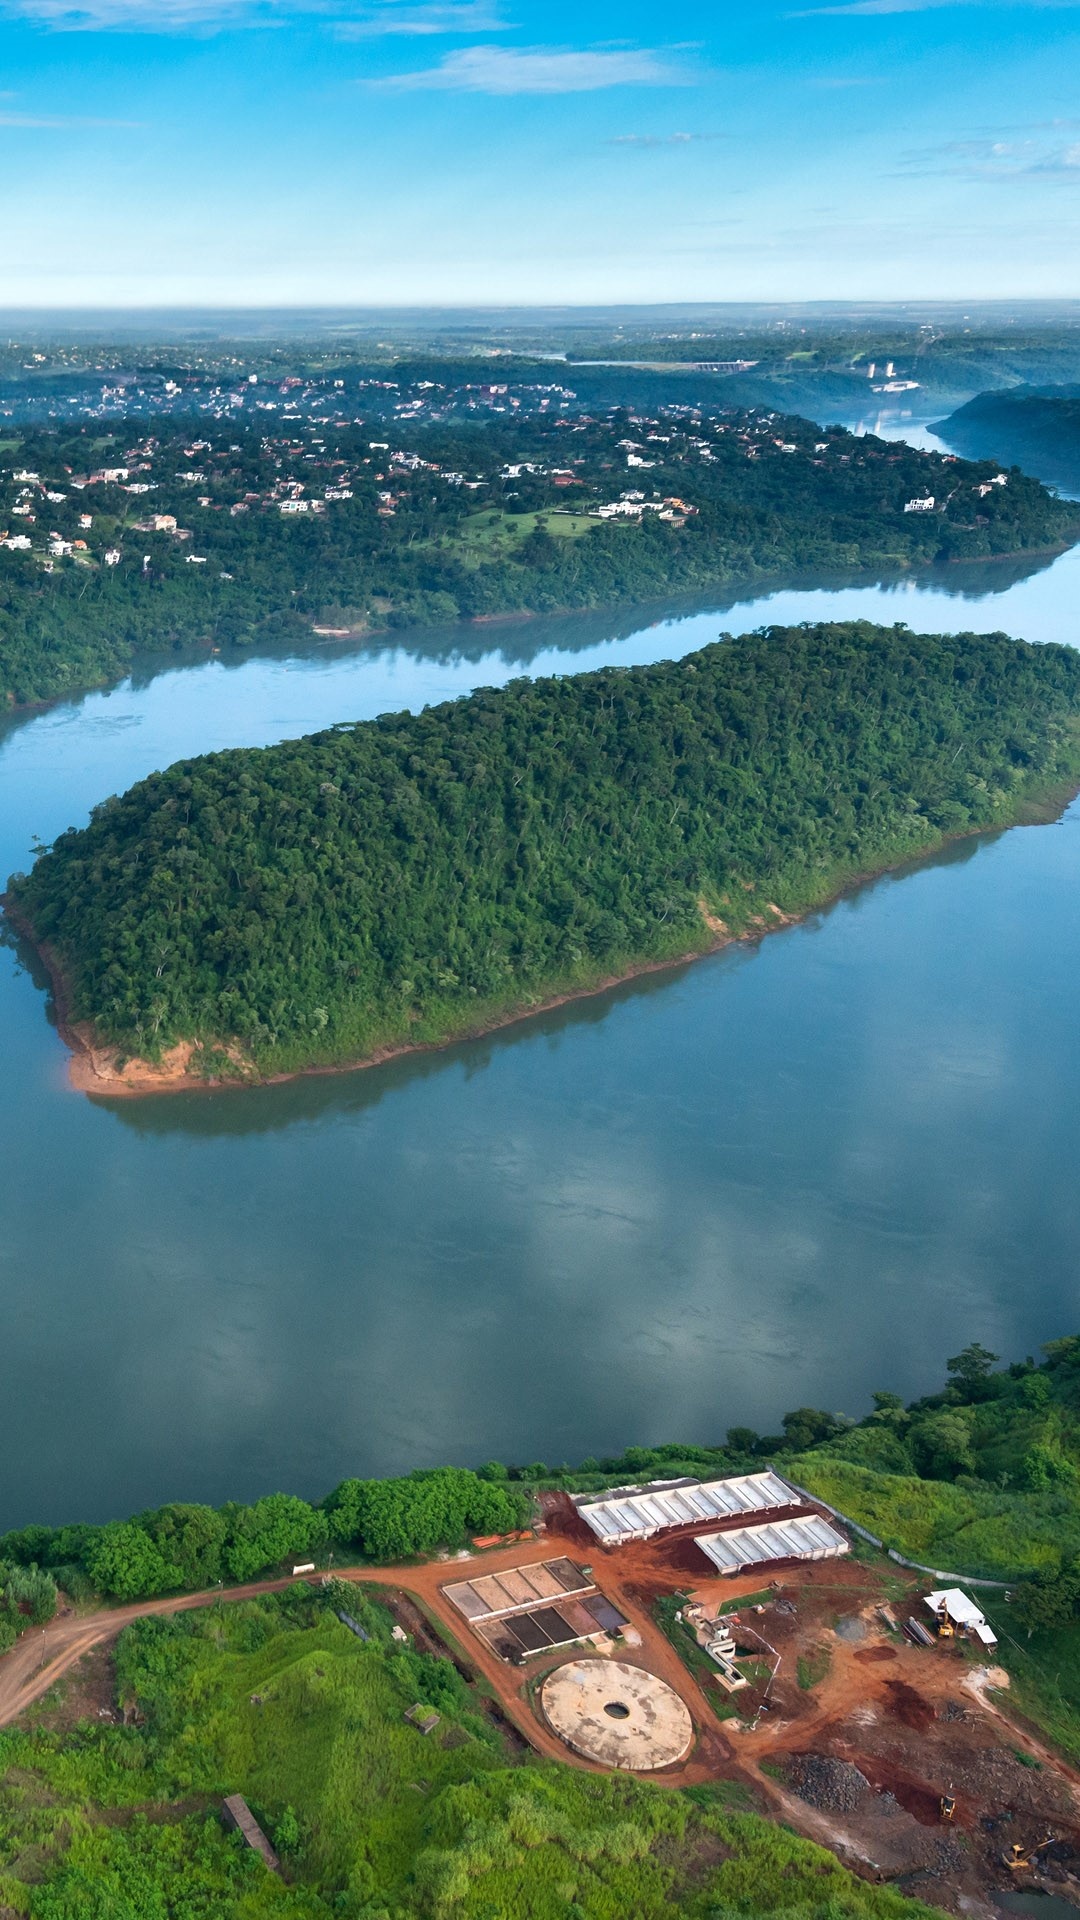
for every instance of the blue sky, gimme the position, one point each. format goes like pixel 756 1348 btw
pixel 466 151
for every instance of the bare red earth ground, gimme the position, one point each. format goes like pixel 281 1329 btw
pixel 908 1718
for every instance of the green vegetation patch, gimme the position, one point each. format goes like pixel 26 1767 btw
pixel 493 533
pixel 981 1479
pixel 276 1700
pixel 188 1547
pixel 685 1642
pixel 813 1667
pixel 407 879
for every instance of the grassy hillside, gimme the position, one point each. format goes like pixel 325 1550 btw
pixel 277 1700
pixel 403 880
pixel 981 1479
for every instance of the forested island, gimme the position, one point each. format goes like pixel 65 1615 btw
pixel 1037 426
pixel 431 499
pixel 396 883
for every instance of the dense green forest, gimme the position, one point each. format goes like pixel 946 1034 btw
pixel 1038 426
pixel 142 536
pixel 401 880
pixel 276 1699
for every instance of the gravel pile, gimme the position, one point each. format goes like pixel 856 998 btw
pixel 834 1786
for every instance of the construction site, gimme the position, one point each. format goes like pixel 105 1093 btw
pixel 737 1634
pixel 850 1698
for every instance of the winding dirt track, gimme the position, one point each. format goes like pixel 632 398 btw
pixel 41 1658
pixel 828 1719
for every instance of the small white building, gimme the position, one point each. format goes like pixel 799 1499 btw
pixel 950 1606
pixel 921 506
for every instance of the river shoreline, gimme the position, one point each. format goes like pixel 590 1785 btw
pixel 750 583
pixel 94 1067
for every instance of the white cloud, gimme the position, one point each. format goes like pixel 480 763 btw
pixel 159 16
pixel 511 70
pixel 661 139
pixel 429 17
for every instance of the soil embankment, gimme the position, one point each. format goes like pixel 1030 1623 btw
pixel 98 1068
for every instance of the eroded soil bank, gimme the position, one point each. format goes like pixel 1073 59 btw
pixel 96 1067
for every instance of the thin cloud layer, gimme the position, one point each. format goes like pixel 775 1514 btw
pixel 1022 155
pixel 871 8
pixel 512 70
pixel 661 139
pixel 440 16
pixel 164 16
pixel 376 17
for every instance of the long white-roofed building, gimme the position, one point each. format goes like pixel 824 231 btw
pixel 639 1513
pixel 804 1536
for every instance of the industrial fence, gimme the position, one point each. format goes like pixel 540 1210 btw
pixel 916 1566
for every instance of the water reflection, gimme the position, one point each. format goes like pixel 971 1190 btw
pixel 547 643
pixel 748 1184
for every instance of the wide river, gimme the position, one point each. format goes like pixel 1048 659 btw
pixel 787 1174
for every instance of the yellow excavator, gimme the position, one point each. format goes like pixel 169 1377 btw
pixel 1019 1856
pixel 947 1805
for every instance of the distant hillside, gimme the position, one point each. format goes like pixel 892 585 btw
pixel 1037 428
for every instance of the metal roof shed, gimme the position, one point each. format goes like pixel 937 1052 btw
pixel 806 1537
pixel 951 1602
pixel 637 1513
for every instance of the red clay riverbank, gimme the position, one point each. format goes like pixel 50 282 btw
pixel 95 1067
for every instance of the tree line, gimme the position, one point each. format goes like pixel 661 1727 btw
pixel 185 1547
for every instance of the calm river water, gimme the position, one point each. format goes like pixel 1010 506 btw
pixel 787 1174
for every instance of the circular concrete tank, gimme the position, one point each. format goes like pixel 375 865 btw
pixel 617 1715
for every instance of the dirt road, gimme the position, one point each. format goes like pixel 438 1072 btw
pixel 39 1659
pixel 911 1720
